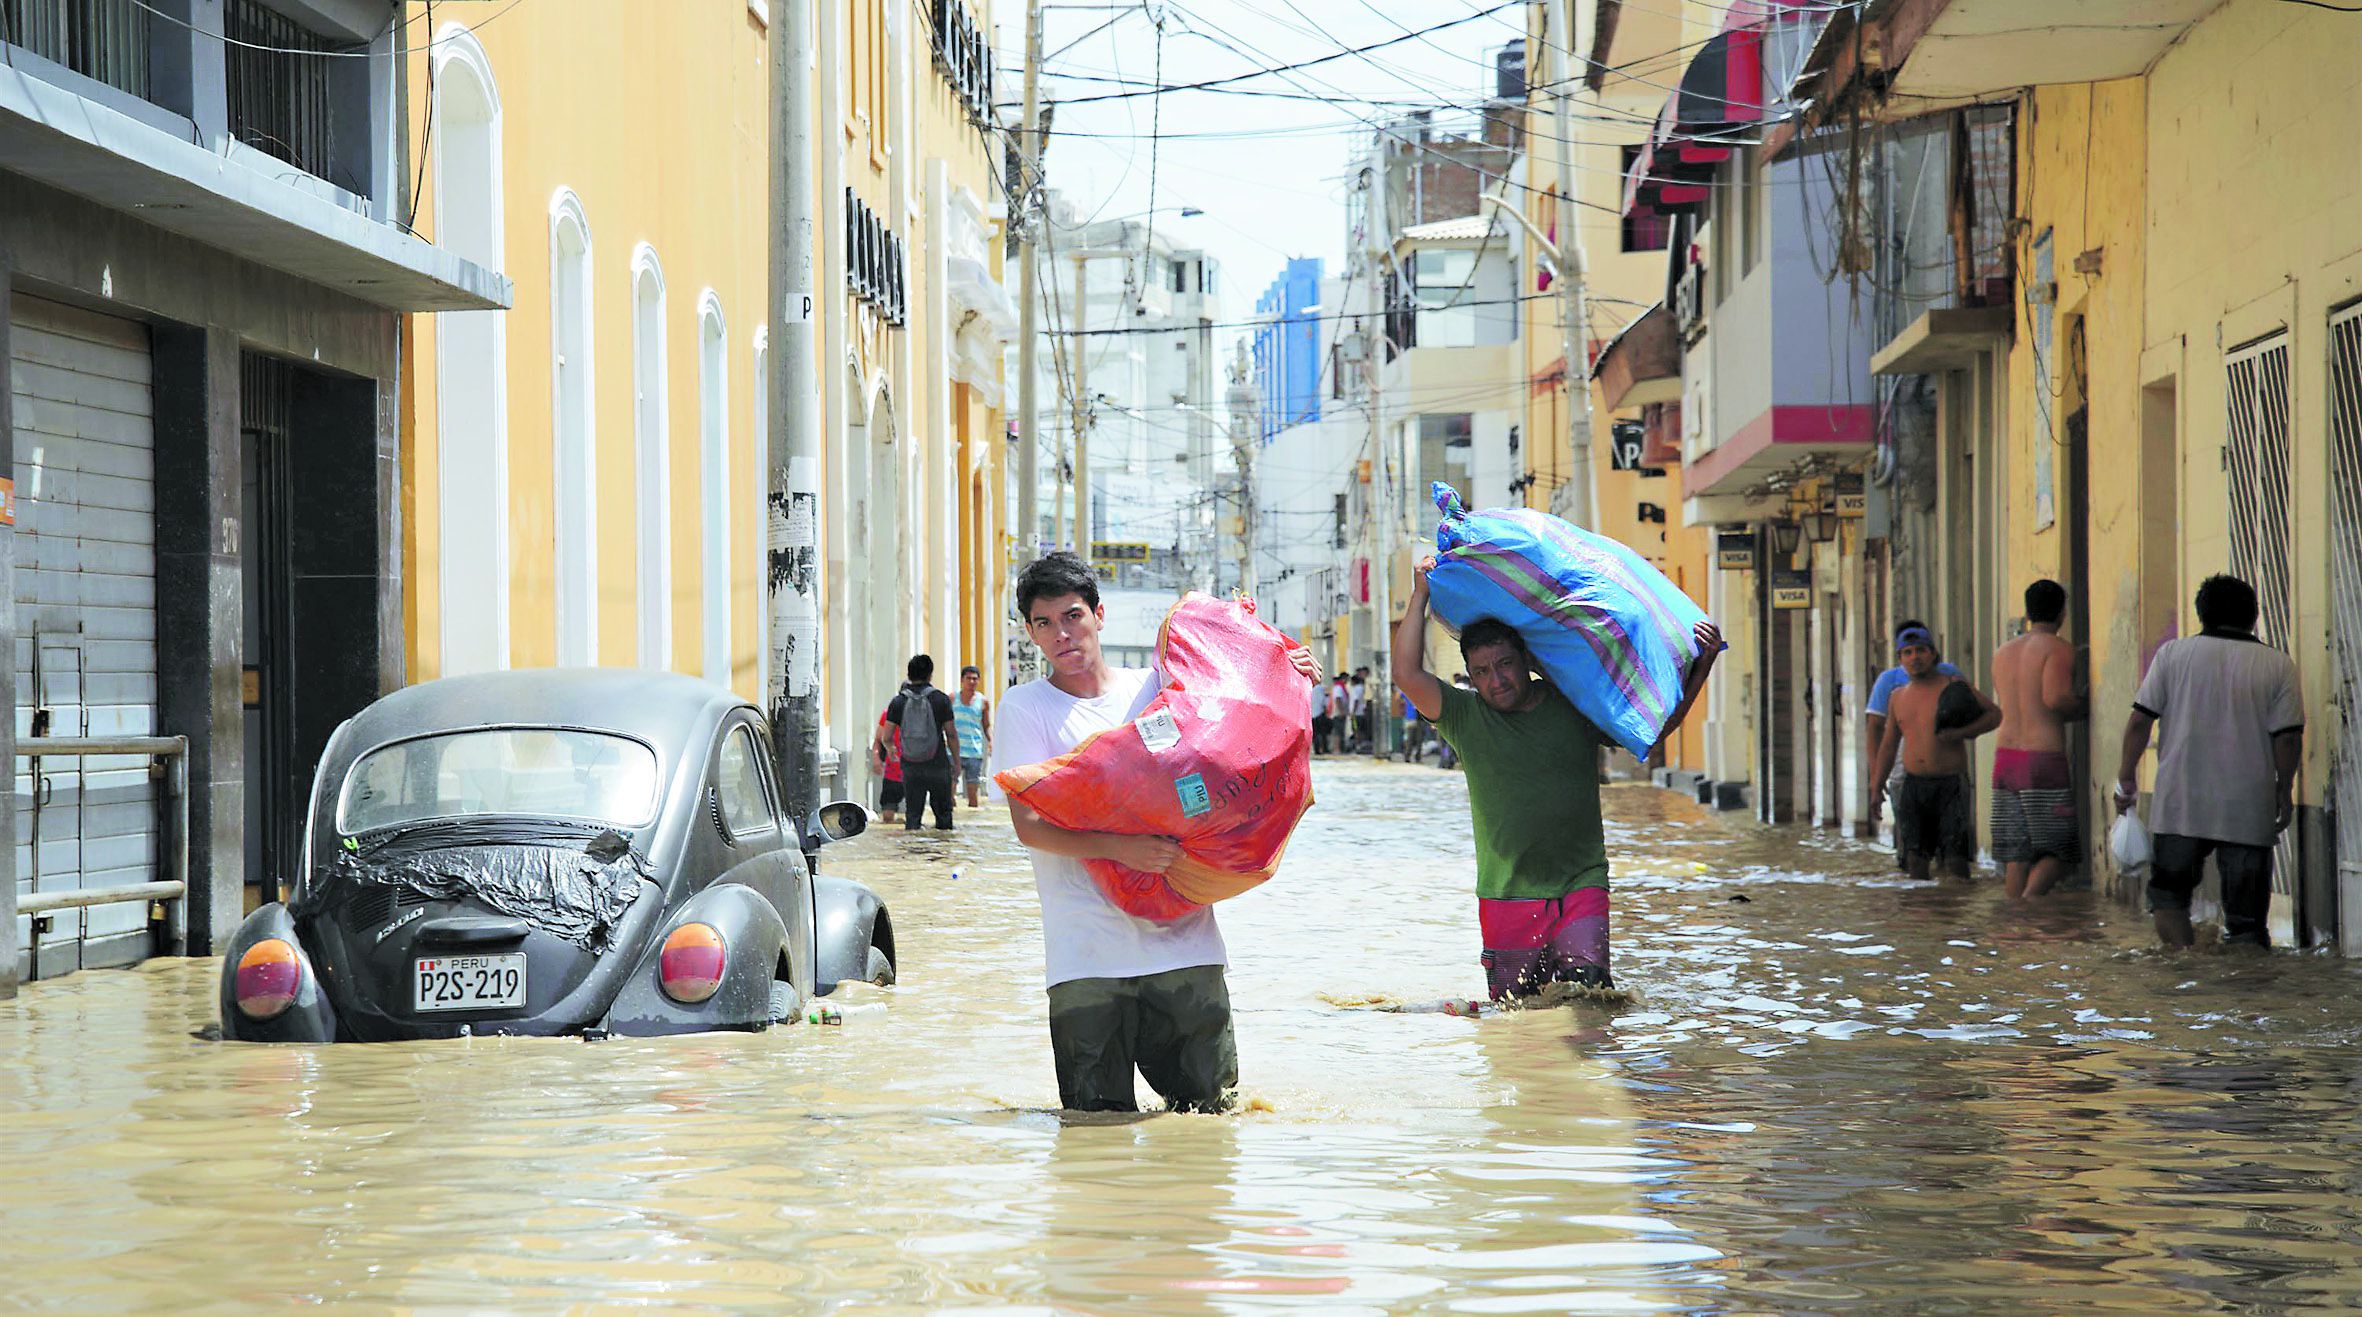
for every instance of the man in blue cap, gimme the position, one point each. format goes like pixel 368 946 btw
pixel 1935 808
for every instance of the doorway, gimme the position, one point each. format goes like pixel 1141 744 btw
pixel 274 816
pixel 2074 505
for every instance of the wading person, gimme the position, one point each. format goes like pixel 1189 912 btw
pixel 1364 716
pixel 1874 724
pixel 885 760
pixel 1124 991
pixel 2234 725
pixel 971 715
pixel 1935 808
pixel 930 745
pixel 1533 797
pixel 2035 832
pixel 1320 719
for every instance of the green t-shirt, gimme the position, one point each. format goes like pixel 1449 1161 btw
pixel 1533 792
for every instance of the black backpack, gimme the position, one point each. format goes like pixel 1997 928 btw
pixel 922 733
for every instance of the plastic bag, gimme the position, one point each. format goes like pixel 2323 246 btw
pixel 2128 842
pixel 1605 626
pixel 1220 761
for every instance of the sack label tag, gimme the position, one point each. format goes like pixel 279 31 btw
pixel 1194 798
pixel 1159 732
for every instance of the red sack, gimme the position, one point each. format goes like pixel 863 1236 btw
pixel 1220 761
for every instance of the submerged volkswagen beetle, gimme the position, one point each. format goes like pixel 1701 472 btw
pixel 551 852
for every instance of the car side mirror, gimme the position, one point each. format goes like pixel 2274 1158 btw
pixel 838 820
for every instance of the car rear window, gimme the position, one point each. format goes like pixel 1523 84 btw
pixel 537 771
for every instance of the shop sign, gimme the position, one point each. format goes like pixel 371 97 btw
pixel 1626 440
pixel 1791 590
pixel 1851 500
pixel 1734 551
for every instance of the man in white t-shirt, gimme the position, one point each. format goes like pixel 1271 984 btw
pixel 1124 991
pixel 2234 723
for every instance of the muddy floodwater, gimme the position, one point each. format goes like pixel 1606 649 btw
pixel 1835 1090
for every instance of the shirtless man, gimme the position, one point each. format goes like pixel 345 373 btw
pixel 2035 836
pixel 1935 818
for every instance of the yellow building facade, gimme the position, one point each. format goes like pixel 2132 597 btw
pixel 584 475
pixel 1624 276
pixel 2188 270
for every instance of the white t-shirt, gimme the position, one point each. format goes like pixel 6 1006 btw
pixel 2218 701
pixel 1084 935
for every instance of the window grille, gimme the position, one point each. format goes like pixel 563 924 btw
pixel 2256 459
pixel 963 54
pixel 1987 148
pixel 105 40
pixel 279 101
pixel 2345 582
pixel 2255 463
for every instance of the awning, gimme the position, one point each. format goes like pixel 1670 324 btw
pixel 1721 94
pixel 1642 364
pixel 1724 99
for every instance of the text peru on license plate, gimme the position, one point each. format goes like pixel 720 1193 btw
pixel 466 983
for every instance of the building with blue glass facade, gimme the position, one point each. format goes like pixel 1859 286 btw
pixel 1288 348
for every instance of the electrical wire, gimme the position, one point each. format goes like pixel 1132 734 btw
pixel 1211 83
pixel 350 53
pixel 426 137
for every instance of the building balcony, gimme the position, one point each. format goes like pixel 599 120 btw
pixel 246 159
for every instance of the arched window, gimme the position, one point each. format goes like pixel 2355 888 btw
pixel 652 460
pixel 713 474
pixel 471 368
pixel 573 434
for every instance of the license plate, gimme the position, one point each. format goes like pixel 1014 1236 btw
pixel 467 983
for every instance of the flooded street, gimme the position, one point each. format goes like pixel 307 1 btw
pixel 1835 1091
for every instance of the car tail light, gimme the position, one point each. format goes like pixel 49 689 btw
pixel 268 976
pixel 691 967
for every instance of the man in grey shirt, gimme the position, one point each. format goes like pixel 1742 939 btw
pixel 2226 764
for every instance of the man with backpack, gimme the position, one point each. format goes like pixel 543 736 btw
pixel 930 745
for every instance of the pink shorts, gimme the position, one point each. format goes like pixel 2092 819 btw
pixel 1530 943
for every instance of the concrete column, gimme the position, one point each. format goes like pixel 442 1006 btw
pixel 209 76
pixel 339 586
pixel 200 611
pixel 942 460
pixel 9 950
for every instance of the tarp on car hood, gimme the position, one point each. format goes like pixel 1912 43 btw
pixel 570 890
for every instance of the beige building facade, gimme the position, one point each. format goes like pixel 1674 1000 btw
pixel 584 475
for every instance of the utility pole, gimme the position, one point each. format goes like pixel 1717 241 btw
pixel 1244 440
pixel 1571 500
pixel 1377 225
pixel 791 501
pixel 1201 451
pixel 1082 405
pixel 1026 215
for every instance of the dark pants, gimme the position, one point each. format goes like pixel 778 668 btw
pixel 923 784
pixel 1320 734
pixel 2246 872
pixel 1174 1026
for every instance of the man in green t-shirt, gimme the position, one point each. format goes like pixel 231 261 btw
pixel 1532 764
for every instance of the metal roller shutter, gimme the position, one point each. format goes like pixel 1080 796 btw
pixel 85 647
